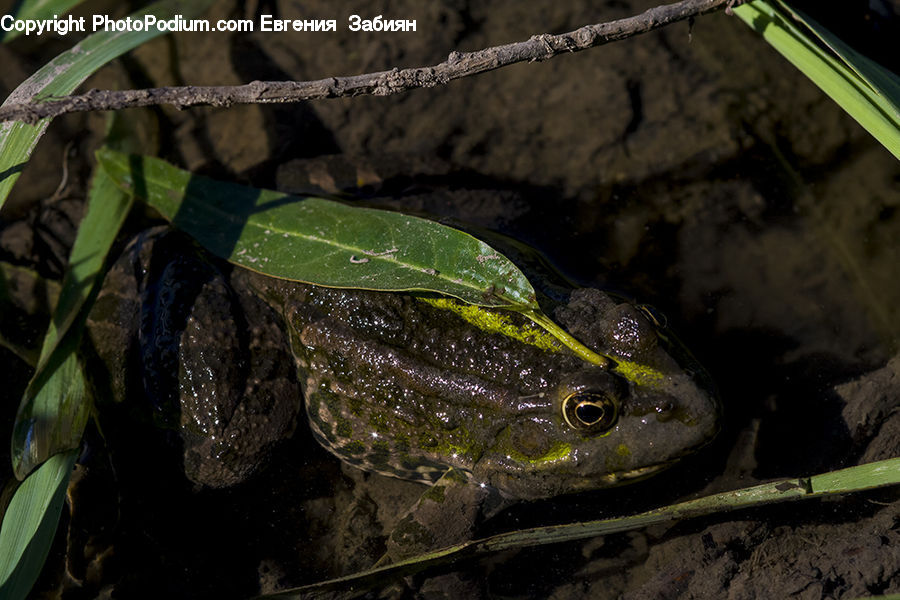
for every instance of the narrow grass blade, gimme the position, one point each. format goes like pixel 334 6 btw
pixel 26 301
pixel 63 74
pixel 53 413
pixel 884 82
pixel 38 9
pixel 843 84
pixel 107 208
pixel 56 406
pixel 30 524
pixel 863 477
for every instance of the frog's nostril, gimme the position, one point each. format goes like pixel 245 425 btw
pixel 665 411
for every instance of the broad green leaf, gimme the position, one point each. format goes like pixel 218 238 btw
pixel 332 244
pixel 56 406
pixel 30 524
pixel 38 9
pixel 862 477
pixel 323 242
pixel 63 74
pixel 842 83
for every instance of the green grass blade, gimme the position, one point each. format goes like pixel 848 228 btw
pixel 862 477
pixel 38 9
pixel 885 83
pixel 844 85
pixel 56 406
pixel 63 74
pixel 52 418
pixel 30 524
pixel 26 301
pixel 107 208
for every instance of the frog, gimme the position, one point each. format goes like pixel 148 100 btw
pixel 409 385
pixel 398 384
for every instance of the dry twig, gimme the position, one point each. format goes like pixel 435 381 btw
pixel 384 83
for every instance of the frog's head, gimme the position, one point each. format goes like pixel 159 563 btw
pixel 601 427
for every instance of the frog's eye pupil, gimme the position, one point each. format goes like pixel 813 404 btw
pixel 590 412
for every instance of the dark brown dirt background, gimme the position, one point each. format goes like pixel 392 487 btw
pixel 693 168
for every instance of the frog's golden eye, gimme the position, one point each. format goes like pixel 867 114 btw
pixel 591 412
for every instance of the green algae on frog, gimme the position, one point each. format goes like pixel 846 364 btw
pixel 393 383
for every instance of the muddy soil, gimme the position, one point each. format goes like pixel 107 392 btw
pixel 692 168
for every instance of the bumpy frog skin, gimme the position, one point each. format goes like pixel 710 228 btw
pixel 172 331
pixel 396 385
pixel 408 387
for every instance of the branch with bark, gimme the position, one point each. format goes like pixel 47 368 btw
pixel 384 83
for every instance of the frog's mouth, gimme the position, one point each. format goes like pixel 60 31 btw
pixel 621 477
pixel 527 489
